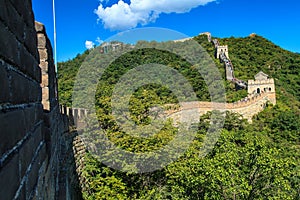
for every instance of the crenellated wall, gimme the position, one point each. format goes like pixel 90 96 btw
pixel 247 107
pixel 49 80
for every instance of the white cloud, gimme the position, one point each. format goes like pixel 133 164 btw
pixel 89 44
pixel 99 40
pixel 121 16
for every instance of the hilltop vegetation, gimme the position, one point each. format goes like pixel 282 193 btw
pixel 250 161
pixel 250 55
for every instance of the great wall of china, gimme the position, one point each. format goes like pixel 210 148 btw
pixel 40 156
pixel 260 91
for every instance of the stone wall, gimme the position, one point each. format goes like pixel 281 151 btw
pixel 34 134
pixel 247 107
pixel 23 150
pixel 49 80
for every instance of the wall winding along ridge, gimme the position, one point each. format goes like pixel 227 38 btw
pixel 247 107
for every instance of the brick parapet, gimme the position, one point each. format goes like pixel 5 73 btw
pixel 31 133
pixel 247 107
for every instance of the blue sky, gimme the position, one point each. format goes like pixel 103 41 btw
pixel 77 21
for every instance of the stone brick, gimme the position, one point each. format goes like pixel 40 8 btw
pixel 19 88
pixel 48 119
pixel 25 10
pixel 10 179
pixel 16 23
pixel 44 66
pixel 40 194
pixel 45 80
pixel 46 105
pixel 43 54
pixel 3 13
pixel 41 40
pixel 34 92
pixel 30 39
pixel 12 129
pixel 22 194
pixel 30 120
pixel 28 62
pixel 39 27
pixel 33 174
pixel 9 45
pixel 26 154
pixel 29 148
pixel 45 94
pixel 4 84
pixel 39 111
pixel 32 117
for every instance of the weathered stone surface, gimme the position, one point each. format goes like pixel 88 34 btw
pixel 31 145
pixel 16 23
pixel 28 62
pixel 31 41
pixel 35 92
pixel 39 27
pixel 45 80
pixel 3 13
pixel 10 179
pixel 8 44
pixel 44 66
pixel 19 88
pixel 25 9
pixel 45 94
pixel 12 126
pixel 26 154
pixel 41 41
pixel 4 84
pixel 31 182
pixel 43 55
pixel 30 119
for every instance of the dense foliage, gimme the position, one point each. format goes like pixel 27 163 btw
pixel 250 161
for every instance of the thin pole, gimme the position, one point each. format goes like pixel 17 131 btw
pixel 54 23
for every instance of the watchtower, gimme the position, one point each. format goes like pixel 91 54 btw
pixel 208 34
pixel 262 84
pixel 221 50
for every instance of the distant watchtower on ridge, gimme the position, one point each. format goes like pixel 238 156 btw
pixel 208 34
pixel 221 50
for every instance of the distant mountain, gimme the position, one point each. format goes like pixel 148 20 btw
pixel 249 161
pixel 249 55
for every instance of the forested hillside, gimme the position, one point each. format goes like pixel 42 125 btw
pixel 250 161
